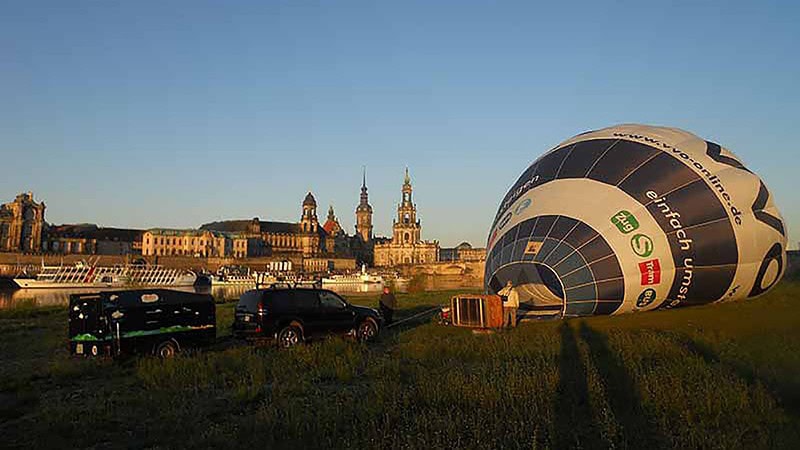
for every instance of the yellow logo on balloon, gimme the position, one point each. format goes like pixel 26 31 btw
pixel 533 247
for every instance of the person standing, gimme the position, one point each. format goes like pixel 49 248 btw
pixel 388 304
pixel 503 293
pixel 510 298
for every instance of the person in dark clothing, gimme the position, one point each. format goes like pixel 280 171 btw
pixel 388 304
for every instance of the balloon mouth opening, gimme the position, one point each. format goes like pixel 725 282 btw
pixel 537 284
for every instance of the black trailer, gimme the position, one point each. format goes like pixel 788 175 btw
pixel 151 321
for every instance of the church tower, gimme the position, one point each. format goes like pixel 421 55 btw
pixel 406 246
pixel 308 221
pixel 407 229
pixel 309 227
pixel 364 213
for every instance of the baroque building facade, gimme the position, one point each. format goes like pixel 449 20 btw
pixel 251 238
pixel 197 243
pixel 463 252
pixel 406 245
pixel 21 224
pixel 254 238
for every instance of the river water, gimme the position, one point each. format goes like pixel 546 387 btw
pixel 10 297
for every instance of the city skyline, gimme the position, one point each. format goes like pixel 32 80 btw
pixel 347 223
pixel 148 114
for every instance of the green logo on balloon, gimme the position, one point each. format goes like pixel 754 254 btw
pixel 642 245
pixel 625 222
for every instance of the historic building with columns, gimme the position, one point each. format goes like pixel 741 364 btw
pixel 406 245
pixel 197 243
pixel 22 224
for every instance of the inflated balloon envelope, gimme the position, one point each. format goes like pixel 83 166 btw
pixel 635 218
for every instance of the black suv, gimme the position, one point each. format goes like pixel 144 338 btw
pixel 294 315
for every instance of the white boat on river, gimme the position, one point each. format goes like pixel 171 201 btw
pixel 85 275
pixel 234 276
pixel 354 278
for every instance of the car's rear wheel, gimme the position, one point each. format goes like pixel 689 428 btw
pixel 290 336
pixel 367 330
pixel 167 349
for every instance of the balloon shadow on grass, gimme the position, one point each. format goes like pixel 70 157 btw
pixel 574 426
pixel 786 392
pixel 638 429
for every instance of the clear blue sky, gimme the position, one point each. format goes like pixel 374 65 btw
pixel 168 113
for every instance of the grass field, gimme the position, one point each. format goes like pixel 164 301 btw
pixel 725 376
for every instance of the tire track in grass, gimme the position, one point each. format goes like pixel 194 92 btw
pixel 574 427
pixel 636 429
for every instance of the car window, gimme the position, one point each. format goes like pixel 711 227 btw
pixel 249 301
pixel 329 300
pixel 281 301
pixel 305 300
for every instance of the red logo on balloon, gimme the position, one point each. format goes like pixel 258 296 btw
pixel 651 272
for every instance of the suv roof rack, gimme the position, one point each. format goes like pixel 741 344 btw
pixel 292 285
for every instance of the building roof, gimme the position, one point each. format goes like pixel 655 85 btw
pixel 92 231
pixel 329 226
pixel 184 232
pixel 229 226
pixel 280 227
pixel 243 226
pixel 118 234
pixel 332 224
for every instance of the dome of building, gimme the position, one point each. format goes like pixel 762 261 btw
pixel 310 200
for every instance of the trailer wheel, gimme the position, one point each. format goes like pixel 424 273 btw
pixel 167 349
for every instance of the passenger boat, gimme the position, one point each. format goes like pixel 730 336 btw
pixel 230 276
pixel 394 278
pixel 264 278
pixel 85 275
pixel 354 278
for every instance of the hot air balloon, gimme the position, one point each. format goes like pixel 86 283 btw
pixel 635 218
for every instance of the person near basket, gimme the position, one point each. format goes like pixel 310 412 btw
pixel 387 305
pixel 510 298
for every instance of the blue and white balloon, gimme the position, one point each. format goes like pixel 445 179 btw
pixel 635 218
